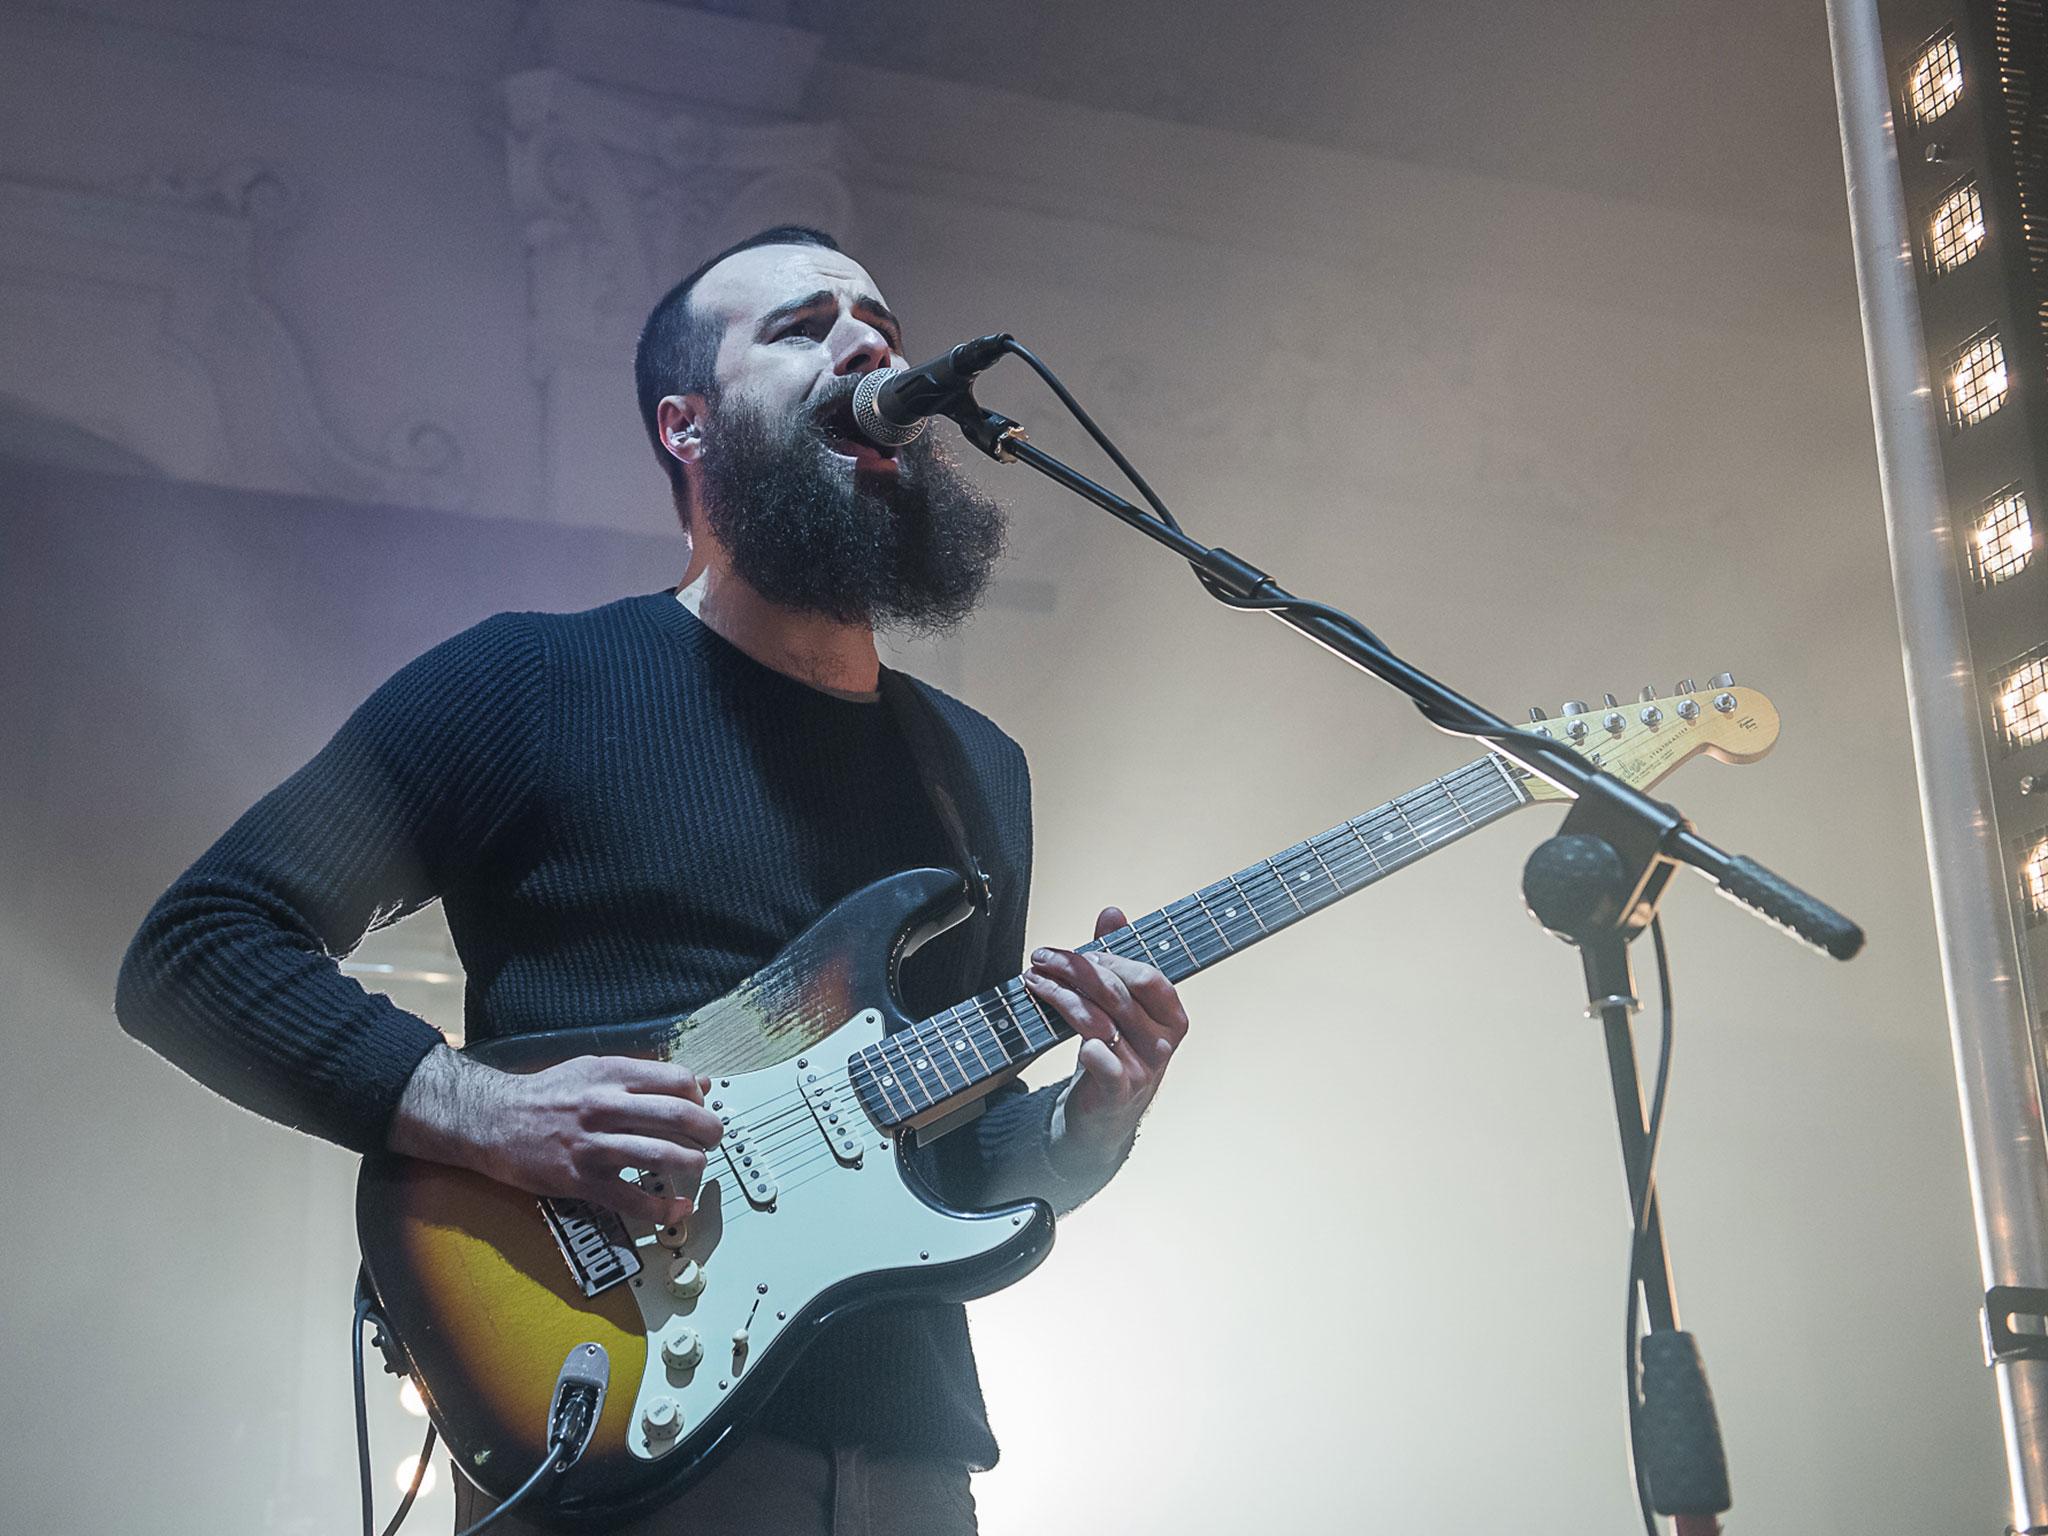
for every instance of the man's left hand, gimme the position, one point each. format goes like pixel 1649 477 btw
pixel 1130 1022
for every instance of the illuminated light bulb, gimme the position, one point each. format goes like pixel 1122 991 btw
pixel 410 1400
pixel 404 1474
pixel 1978 385
pixel 1956 230
pixel 2004 541
pixel 2023 702
pixel 2034 879
pixel 1935 80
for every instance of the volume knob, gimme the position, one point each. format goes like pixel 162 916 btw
pixel 685 1277
pixel 662 1419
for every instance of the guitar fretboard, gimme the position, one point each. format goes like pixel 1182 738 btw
pixel 917 1069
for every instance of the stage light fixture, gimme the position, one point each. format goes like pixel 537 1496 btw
pixel 410 1400
pixel 1957 229
pixel 1935 80
pixel 2034 881
pixel 404 1473
pixel 1977 380
pixel 2003 541
pixel 2023 701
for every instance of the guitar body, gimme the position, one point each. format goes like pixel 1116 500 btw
pixel 807 1210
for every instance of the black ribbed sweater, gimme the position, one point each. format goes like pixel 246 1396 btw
pixel 623 816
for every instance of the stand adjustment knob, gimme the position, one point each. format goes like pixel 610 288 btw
pixel 661 1420
pixel 685 1277
pixel 682 1350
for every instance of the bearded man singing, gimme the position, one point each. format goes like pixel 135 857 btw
pixel 626 813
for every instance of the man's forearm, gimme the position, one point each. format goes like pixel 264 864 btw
pixel 447 1102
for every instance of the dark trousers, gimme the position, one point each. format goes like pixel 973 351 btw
pixel 773 1487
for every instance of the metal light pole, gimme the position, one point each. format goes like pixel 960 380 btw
pixel 1982 966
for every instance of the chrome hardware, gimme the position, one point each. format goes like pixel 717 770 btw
pixel 1616 721
pixel 1686 685
pixel 1725 703
pixel 1651 714
pixel 1535 714
pixel 1576 729
pixel 1721 680
pixel 1610 701
pixel 1574 707
pixel 1649 692
pixel 1688 709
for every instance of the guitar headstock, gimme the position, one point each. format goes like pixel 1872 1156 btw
pixel 1640 742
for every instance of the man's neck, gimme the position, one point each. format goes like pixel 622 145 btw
pixel 806 646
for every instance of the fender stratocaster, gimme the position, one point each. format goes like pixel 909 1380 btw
pixel 808 1206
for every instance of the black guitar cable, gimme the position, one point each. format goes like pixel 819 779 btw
pixel 364 1308
pixel 572 1423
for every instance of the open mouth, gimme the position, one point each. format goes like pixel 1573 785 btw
pixel 844 439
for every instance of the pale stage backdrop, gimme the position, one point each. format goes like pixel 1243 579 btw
pixel 1365 1268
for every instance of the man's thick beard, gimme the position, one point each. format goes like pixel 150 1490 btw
pixel 913 552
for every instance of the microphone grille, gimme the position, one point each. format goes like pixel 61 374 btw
pixel 873 425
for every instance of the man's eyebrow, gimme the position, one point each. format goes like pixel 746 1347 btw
pixel 865 301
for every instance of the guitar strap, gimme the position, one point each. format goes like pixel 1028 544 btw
pixel 957 801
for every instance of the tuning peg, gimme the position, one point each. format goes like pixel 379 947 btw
pixel 1721 680
pixel 1535 713
pixel 1686 685
pixel 1609 701
pixel 1574 706
pixel 1649 692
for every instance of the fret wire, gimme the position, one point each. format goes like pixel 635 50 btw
pixel 1281 880
pixel 1221 937
pixel 1245 896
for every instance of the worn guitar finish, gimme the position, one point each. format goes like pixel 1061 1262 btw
pixel 808 1207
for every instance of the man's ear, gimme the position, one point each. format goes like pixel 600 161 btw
pixel 681 420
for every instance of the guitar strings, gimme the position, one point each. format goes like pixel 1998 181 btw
pixel 788 1111
pixel 788 1123
pixel 1352 857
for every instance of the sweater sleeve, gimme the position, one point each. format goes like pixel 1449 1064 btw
pixel 234 974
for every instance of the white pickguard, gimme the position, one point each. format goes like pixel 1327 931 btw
pixel 762 1267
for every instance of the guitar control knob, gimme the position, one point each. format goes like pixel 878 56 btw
pixel 681 1351
pixel 662 1419
pixel 685 1277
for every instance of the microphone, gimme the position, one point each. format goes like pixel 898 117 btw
pixel 890 405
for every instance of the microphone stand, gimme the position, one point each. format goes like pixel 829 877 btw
pixel 1596 885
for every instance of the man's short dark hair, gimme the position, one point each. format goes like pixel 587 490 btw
pixel 678 348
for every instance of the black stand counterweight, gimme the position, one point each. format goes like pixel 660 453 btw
pixel 1581 889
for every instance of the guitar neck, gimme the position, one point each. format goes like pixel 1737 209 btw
pixel 910 1073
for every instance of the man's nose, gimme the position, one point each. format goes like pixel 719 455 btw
pixel 866 350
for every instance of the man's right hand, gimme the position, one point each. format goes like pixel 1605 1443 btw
pixel 567 1130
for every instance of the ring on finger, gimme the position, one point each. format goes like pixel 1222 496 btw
pixel 1116 1037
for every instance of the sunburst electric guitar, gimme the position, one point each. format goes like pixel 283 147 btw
pixel 808 1206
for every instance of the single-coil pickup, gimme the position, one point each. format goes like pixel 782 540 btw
pixel 834 1108
pixel 750 1166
